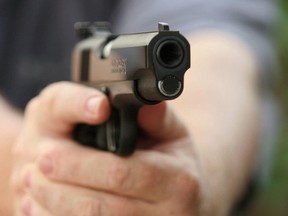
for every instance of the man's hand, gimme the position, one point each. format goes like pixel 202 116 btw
pixel 168 174
pixel 54 175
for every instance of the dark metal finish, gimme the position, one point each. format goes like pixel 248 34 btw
pixel 133 69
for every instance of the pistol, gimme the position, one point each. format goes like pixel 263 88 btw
pixel 132 70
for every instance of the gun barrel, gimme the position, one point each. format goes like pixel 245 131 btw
pixel 155 61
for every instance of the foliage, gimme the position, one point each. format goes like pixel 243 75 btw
pixel 273 198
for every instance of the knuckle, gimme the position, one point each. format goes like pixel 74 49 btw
pixel 46 99
pixel 49 95
pixel 54 97
pixel 188 184
pixel 32 107
pixel 90 207
pixel 123 208
pixel 151 177
pixel 122 176
pixel 118 175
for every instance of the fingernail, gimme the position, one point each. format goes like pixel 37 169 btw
pixel 26 206
pixel 93 104
pixel 46 165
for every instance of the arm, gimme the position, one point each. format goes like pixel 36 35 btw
pixel 222 142
pixel 220 106
pixel 174 174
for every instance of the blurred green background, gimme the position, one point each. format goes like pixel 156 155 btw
pixel 273 197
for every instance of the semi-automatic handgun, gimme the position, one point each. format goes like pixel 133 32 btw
pixel 132 70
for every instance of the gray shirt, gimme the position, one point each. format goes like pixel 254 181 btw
pixel 251 20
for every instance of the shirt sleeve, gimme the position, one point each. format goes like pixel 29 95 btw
pixel 250 20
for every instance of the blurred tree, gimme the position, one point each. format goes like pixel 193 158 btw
pixel 273 199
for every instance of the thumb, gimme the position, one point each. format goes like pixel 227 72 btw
pixel 61 105
pixel 160 122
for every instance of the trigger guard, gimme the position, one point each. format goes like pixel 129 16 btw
pixel 121 132
pixel 112 131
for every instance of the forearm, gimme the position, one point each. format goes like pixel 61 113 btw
pixel 9 128
pixel 220 105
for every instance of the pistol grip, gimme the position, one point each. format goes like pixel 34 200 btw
pixel 117 135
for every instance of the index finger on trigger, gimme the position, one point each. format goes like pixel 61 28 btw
pixel 61 105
